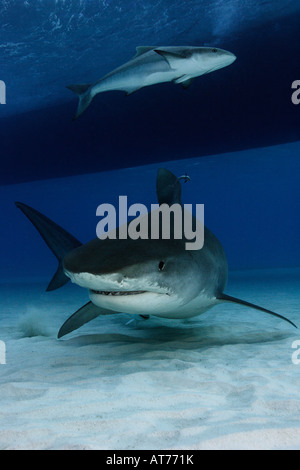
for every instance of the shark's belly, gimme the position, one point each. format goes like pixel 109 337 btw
pixel 194 308
pixel 159 305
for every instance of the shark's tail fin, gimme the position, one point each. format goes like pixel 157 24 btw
pixel 58 240
pixel 85 97
pixel 257 307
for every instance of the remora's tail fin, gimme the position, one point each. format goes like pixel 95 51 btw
pixel 58 240
pixel 257 307
pixel 85 97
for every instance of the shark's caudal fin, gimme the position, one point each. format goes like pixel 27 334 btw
pixel 58 240
pixel 85 314
pixel 85 97
pixel 228 298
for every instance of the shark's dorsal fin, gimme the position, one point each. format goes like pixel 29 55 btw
pixel 168 187
pixel 140 50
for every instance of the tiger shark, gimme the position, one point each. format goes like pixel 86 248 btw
pixel 140 276
pixel 152 65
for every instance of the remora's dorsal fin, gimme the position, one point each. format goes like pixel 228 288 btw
pixel 257 307
pixel 187 83
pixel 185 80
pixel 85 314
pixel 168 187
pixel 140 50
pixel 58 240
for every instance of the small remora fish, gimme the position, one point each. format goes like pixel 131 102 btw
pixel 145 276
pixel 153 65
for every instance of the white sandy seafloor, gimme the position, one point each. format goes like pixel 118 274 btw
pixel 224 380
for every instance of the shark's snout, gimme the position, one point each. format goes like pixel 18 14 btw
pixel 110 282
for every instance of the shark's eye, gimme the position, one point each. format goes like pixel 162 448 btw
pixel 161 265
pixel 214 50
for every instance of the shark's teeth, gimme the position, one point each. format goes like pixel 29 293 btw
pixel 133 292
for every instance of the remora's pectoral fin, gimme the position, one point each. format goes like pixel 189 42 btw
pixel 140 50
pixel 171 58
pixel 168 187
pixel 58 240
pixel 228 298
pixel 84 315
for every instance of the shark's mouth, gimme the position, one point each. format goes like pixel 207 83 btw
pixel 105 292
pixel 127 292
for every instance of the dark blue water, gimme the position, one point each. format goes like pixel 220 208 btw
pixel 226 379
pixel 251 199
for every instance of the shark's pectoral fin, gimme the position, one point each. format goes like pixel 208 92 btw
pixel 228 298
pixel 84 315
